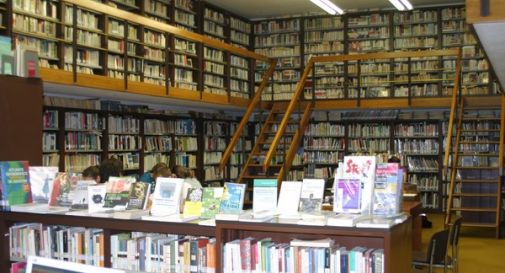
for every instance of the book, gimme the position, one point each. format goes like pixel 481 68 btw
pixel 166 196
pixel 327 243
pixel 252 216
pixel 117 193
pixel 79 195
pixel 175 218
pixel 211 199
pixel 193 203
pixel 362 168
pixel 30 64
pixel 63 185
pixel 289 198
pixel 347 195
pixel 311 198
pixel 130 214
pixel 14 182
pixel 18 267
pixel 232 199
pixel 41 182
pixel 387 189
pixel 96 198
pixel 382 221
pixel 6 57
pixel 139 195
pixel 264 195
pixel 344 219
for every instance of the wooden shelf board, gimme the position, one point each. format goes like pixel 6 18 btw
pixel 56 76
pixel 146 89
pixel 99 81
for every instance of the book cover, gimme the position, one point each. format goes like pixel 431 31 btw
pixel 347 195
pixel 63 185
pixel 232 199
pixel 166 196
pixel 362 168
pixel 387 189
pixel 118 192
pixel 79 195
pixel 311 198
pixel 96 198
pixel 15 182
pixel 264 195
pixel 31 64
pixel 289 197
pixel 41 182
pixel 193 203
pixel 7 64
pixel 211 199
pixel 139 195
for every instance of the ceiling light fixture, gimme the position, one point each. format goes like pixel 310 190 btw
pixel 328 6
pixel 402 4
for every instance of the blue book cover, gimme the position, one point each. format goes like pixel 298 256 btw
pixel 15 185
pixel 232 198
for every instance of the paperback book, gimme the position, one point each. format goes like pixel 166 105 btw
pixel 363 169
pixel 193 202
pixel 264 196
pixel 347 195
pixel 79 195
pixel 118 192
pixel 232 201
pixel 61 193
pixel 96 198
pixel 41 182
pixel 211 199
pixel 139 195
pixel 388 189
pixel 166 196
pixel 15 185
pixel 289 198
pixel 311 198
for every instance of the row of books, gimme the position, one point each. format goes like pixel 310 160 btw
pixel 265 255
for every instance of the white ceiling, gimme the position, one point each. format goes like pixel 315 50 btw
pixel 257 9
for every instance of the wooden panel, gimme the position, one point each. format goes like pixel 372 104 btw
pixel 21 119
pixel 496 11
pixel 101 82
pixel 146 89
pixel 185 94
pixel 214 98
pixel 56 76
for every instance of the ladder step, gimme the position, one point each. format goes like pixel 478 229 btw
pixel 472 224
pixel 261 165
pixel 476 209
pixel 480 119
pixel 285 133
pixel 476 194
pixel 480 130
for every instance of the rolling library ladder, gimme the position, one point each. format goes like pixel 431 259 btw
pixel 474 164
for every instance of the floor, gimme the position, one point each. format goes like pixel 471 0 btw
pixel 479 251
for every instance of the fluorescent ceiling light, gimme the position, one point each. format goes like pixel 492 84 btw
pixel 402 4
pixel 328 6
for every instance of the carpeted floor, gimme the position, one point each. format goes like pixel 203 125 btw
pixel 479 251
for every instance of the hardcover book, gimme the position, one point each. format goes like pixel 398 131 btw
pixel 193 203
pixel 118 192
pixel 232 199
pixel 362 168
pixel 289 198
pixel 166 197
pixel 265 195
pixel 347 195
pixel 139 195
pixel 15 184
pixel 388 189
pixel 311 198
pixel 41 182
pixel 211 199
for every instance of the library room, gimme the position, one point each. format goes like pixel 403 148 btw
pixel 222 136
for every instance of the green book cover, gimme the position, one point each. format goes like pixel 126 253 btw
pixel 211 199
pixel 264 195
pixel 15 183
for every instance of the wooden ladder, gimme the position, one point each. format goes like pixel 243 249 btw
pixel 476 171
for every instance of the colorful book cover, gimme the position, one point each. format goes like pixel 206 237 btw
pixel 118 192
pixel 387 190
pixel 311 198
pixel 15 182
pixel 167 196
pixel 232 199
pixel 79 195
pixel 362 168
pixel 211 199
pixel 63 185
pixel 193 203
pixel 264 195
pixel 139 195
pixel 41 182
pixel 347 195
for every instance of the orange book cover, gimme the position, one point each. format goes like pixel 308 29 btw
pixel 211 257
pixel 102 255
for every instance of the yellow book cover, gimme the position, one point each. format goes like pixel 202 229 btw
pixel 193 203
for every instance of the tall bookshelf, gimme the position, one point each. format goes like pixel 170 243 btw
pixel 158 141
pixel 240 152
pixel 215 139
pixel 124 141
pixel 186 146
pixel 3 16
pixel 50 138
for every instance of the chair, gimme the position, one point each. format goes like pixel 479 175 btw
pixel 452 261
pixel 436 255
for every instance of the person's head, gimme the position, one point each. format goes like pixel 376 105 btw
pixel 91 173
pixel 161 172
pixel 158 166
pixel 394 159
pixel 110 167
pixel 182 172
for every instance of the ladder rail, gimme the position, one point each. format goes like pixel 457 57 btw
pixel 250 109
pixel 500 164
pixel 455 159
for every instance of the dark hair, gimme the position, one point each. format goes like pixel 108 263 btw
pixel 110 167
pixel 161 172
pixel 181 171
pixel 158 166
pixel 394 159
pixel 92 171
